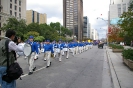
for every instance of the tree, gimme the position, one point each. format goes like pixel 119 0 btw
pixel 39 38
pixel 31 33
pixel 125 23
pixel 115 35
pixel 18 25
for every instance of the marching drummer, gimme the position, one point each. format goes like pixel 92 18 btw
pixel 34 48
pixel 48 50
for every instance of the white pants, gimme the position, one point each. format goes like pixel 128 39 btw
pixel 80 49
pixel 31 61
pixel 36 56
pixel 48 57
pixel 55 52
pixel 73 51
pixel 66 51
pixel 39 50
pixel 76 50
pixel 60 55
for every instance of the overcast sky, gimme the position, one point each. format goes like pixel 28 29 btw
pixel 92 9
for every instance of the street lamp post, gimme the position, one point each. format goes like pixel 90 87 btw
pixel 60 29
pixel 108 23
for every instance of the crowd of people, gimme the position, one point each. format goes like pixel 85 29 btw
pixel 54 49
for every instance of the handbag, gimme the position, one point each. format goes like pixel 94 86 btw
pixel 14 71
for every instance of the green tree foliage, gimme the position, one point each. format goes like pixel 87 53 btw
pixel 53 31
pixel 39 38
pixel 126 24
pixel 18 25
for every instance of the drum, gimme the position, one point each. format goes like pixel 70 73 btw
pixel 57 50
pixel 65 49
pixel 26 49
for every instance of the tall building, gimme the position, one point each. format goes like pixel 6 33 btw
pixel 116 8
pixel 95 35
pixel 35 17
pixel 73 17
pixel 11 8
pixel 86 29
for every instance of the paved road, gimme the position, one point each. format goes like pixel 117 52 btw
pixel 86 70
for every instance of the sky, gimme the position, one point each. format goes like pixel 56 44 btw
pixel 91 8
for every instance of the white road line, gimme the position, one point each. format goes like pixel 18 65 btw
pixel 34 71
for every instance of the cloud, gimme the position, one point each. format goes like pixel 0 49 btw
pixel 54 10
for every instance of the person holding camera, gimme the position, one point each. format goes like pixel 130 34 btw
pixel 12 48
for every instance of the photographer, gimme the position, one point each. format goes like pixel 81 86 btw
pixel 10 35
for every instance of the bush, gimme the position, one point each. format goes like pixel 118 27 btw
pixel 116 46
pixel 128 54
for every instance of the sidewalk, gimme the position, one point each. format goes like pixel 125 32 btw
pixel 121 75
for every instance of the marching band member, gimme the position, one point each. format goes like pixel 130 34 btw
pixel 39 46
pixel 44 50
pixel 60 50
pixel 55 49
pixel 80 47
pixel 32 56
pixel 48 50
pixel 66 49
pixel 72 48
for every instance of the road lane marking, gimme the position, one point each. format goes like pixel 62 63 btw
pixel 33 71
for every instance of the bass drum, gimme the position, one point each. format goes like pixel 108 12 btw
pixel 26 49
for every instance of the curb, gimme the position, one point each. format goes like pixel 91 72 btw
pixel 112 72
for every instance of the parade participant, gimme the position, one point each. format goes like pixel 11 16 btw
pixel 39 51
pixel 44 50
pixel 63 43
pixel 80 47
pixel 60 50
pixel 72 48
pixel 55 49
pixel 48 50
pixel 66 49
pixel 10 35
pixel 34 48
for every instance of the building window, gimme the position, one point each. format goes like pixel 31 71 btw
pixel 20 15
pixel 10 6
pixel 19 3
pixel 37 17
pixel 10 12
pixel 10 0
pixel 19 9
pixel 124 7
pixel 33 16
pixel 15 14
pixel 15 1
pixel 0 30
pixel 15 8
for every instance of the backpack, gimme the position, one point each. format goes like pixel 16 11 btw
pixel 14 71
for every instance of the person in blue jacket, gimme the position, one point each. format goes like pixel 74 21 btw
pixel 34 49
pixel 60 50
pixel 48 50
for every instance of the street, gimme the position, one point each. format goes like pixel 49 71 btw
pixel 86 70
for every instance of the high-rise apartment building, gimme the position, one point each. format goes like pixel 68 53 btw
pixel 12 8
pixel 86 29
pixel 117 7
pixel 35 17
pixel 73 17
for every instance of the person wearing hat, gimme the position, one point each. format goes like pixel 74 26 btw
pixel 48 50
pixel 34 48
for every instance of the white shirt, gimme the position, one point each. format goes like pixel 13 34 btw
pixel 13 47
